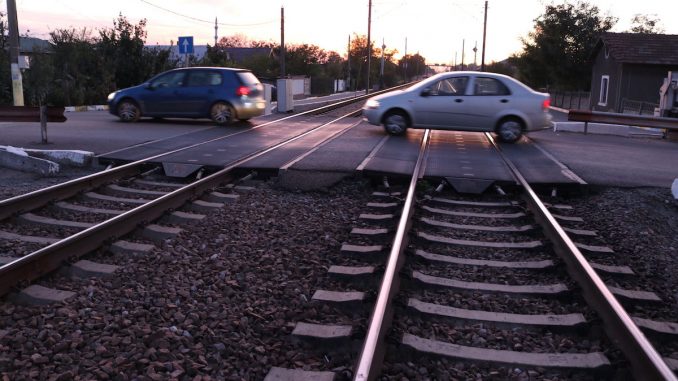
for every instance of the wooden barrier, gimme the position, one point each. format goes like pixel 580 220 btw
pixel 30 114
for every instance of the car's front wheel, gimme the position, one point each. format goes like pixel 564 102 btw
pixel 509 130
pixel 396 123
pixel 222 113
pixel 128 111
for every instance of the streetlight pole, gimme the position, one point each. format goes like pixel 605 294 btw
pixel 369 47
pixel 482 60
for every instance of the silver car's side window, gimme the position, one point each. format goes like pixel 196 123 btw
pixel 449 87
pixel 489 86
pixel 169 80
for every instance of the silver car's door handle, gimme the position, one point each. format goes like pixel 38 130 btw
pixel 504 101
pixel 458 100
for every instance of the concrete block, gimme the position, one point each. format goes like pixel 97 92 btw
pixel 27 163
pixel 74 158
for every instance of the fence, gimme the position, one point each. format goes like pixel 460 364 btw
pixel 629 106
pixel 579 100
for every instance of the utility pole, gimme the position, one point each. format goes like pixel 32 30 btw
pixel 406 60
pixel 348 62
pixel 216 27
pixel 282 42
pixel 463 41
pixel 381 69
pixel 13 24
pixel 482 60
pixel 369 46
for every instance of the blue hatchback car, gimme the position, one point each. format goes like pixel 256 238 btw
pixel 221 94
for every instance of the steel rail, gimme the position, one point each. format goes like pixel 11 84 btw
pixel 371 356
pixel 51 257
pixel 647 364
pixel 33 200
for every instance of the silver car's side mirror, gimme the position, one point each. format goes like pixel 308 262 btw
pixel 425 92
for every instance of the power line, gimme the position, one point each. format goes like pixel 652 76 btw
pixel 207 21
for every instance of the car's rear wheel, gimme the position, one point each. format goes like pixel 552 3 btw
pixel 396 123
pixel 222 113
pixel 128 111
pixel 509 130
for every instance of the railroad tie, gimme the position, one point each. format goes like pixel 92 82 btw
pixel 332 336
pixel 349 300
pixel 126 190
pixel 200 206
pixel 362 275
pixel 84 209
pixel 570 321
pixel 39 295
pixel 532 290
pixel 184 218
pixel 93 196
pixel 88 269
pixel 31 218
pixel 533 265
pixel 27 238
pixel 131 248
pixel 498 245
pixel 283 374
pixel 221 197
pixel 158 233
pixel 594 360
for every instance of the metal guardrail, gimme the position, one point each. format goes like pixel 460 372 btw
pixel 31 114
pixel 623 119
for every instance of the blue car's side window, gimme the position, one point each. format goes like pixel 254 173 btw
pixel 204 78
pixel 175 79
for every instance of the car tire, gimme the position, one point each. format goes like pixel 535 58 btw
pixel 510 130
pixel 128 111
pixel 222 113
pixel 396 122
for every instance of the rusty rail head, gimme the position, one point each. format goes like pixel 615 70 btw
pixel 646 362
pixel 30 114
pixel 624 119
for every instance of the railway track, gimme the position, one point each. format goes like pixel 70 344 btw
pixel 476 286
pixel 62 223
pixel 490 287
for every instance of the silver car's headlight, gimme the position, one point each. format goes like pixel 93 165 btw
pixel 111 96
pixel 371 103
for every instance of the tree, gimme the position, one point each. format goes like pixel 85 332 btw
pixel 6 96
pixel 646 24
pixel 122 48
pixel 557 53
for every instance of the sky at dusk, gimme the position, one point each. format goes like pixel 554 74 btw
pixel 435 29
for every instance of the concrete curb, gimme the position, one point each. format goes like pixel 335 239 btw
pixel 44 162
pixel 86 108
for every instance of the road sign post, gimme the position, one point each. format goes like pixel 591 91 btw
pixel 185 44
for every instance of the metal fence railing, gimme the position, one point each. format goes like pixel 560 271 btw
pixel 629 106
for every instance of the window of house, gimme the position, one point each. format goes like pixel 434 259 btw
pixel 604 85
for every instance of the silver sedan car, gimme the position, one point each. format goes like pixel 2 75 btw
pixel 465 101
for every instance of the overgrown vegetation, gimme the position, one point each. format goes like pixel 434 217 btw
pixel 83 66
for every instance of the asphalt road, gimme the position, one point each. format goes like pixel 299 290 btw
pixel 598 159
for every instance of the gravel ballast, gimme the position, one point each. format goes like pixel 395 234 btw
pixel 220 301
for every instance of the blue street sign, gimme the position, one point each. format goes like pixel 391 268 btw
pixel 185 45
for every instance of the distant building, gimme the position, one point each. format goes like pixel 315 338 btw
pixel 630 66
